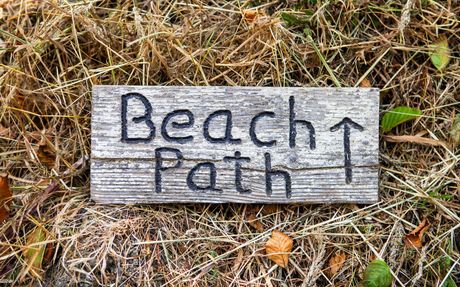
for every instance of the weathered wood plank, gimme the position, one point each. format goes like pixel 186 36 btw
pixel 130 167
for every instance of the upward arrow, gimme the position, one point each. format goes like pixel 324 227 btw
pixel 347 123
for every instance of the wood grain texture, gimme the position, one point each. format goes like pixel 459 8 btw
pixel 123 172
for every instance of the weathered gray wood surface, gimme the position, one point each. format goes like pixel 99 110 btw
pixel 124 172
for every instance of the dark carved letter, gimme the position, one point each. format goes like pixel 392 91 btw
pixel 269 172
pixel 252 130
pixel 238 174
pixel 212 177
pixel 227 138
pixel 145 118
pixel 188 124
pixel 293 126
pixel 159 164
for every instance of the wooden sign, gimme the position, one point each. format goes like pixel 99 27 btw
pixel 234 144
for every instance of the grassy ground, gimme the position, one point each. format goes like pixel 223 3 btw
pixel 52 52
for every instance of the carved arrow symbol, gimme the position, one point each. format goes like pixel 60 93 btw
pixel 347 123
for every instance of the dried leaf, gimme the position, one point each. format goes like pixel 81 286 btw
pixel 455 130
pixel 254 222
pixel 265 209
pixel 365 83
pixel 335 263
pixel 440 55
pixel 47 192
pixel 250 15
pixel 49 252
pixel 278 248
pixel 415 139
pixel 46 154
pixel 5 197
pixel 95 80
pixel 34 251
pixel 269 209
pixel 5 132
pixel 415 237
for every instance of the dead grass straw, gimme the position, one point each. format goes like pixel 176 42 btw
pixel 52 52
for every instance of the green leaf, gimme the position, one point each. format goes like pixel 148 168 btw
pixel 398 116
pixel 435 194
pixel 449 283
pixel 308 12
pixel 307 31
pixel 455 130
pixel 424 3
pixel 377 274
pixel 292 20
pixel 440 55
pixel 34 251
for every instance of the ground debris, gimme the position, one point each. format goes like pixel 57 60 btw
pixel 52 52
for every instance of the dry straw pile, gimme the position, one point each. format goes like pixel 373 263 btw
pixel 51 54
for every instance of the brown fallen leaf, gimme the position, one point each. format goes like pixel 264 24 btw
pixel 335 263
pixel 278 248
pixel 95 80
pixel 49 252
pixel 47 192
pixel 54 185
pixel 5 132
pixel 414 239
pixel 250 15
pixel 269 209
pixel 254 222
pixel 415 139
pixel 365 83
pixel 46 155
pixel 5 197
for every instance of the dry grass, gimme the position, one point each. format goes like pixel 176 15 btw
pixel 52 52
